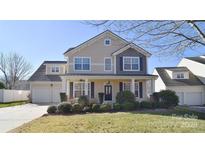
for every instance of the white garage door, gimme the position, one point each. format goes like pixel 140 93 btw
pixel 193 98
pixel 46 93
pixel 190 98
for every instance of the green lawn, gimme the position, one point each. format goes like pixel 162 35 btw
pixel 12 104
pixel 121 122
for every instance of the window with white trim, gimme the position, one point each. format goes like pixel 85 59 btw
pixel 131 63
pixel 136 89
pixel 180 76
pixel 108 64
pixel 79 89
pixel 127 87
pixel 82 63
pixel 55 69
pixel 107 42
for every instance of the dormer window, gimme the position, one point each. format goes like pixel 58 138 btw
pixel 107 42
pixel 180 75
pixel 55 69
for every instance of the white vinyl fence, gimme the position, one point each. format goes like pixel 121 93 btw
pixel 13 95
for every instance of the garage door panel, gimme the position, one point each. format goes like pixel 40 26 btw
pixel 193 98
pixel 46 93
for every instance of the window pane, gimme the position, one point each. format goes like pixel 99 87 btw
pixel 86 60
pixel 134 60
pixel 78 67
pixel 127 86
pixel 136 90
pixel 78 60
pixel 53 69
pixel 57 69
pixel 107 67
pixel 86 67
pixel 127 60
pixel 127 66
pixel 108 61
pixel 108 64
pixel 135 66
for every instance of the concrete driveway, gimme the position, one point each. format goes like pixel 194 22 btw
pixel 12 117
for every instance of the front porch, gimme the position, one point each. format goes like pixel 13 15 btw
pixel 76 86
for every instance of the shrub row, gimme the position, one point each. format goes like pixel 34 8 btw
pixel 66 108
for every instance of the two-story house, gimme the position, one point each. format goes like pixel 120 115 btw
pixel 105 63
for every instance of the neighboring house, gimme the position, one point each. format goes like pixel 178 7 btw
pixel 105 63
pixel 187 86
pixel 22 85
pixel 196 65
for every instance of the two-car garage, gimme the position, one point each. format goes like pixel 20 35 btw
pixel 189 95
pixel 45 93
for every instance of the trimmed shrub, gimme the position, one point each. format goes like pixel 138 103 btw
pixel 83 101
pixel 116 107
pixel 128 106
pixel 146 105
pixel 95 107
pixel 86 109
pixel 125 96
pixel 63 97
pixel 160 105
pixel 52 109
pixel 77 108
pixel 91 102
pixel 169 97
pixel 101 97
pixel 105 107
pixel 64 108
pixel 137 104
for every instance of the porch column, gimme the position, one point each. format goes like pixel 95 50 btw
pixel 63 84
pixel 133 86
pixel 152 85
pixel 68 88
pixel 86 87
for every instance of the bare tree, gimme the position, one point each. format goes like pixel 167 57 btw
pixel 13 67
pixel 162 37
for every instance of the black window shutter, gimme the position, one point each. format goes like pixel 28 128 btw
pixel 141 64
pixel 92 89
pixel 71 89
pixel 141 89
pixel 120 86
pixel 121 63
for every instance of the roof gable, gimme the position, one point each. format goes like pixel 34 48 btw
pixel 94 39
pixel 168 81
pixel 40 73
pixel 133 46
pixel 197 59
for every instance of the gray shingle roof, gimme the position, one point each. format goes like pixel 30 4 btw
pixel 101 74
pixel 197 59
pixel 40 74
pixel 193 80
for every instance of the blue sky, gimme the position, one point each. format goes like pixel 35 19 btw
pixel 48 40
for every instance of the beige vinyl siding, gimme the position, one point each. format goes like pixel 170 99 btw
pixel 97 51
